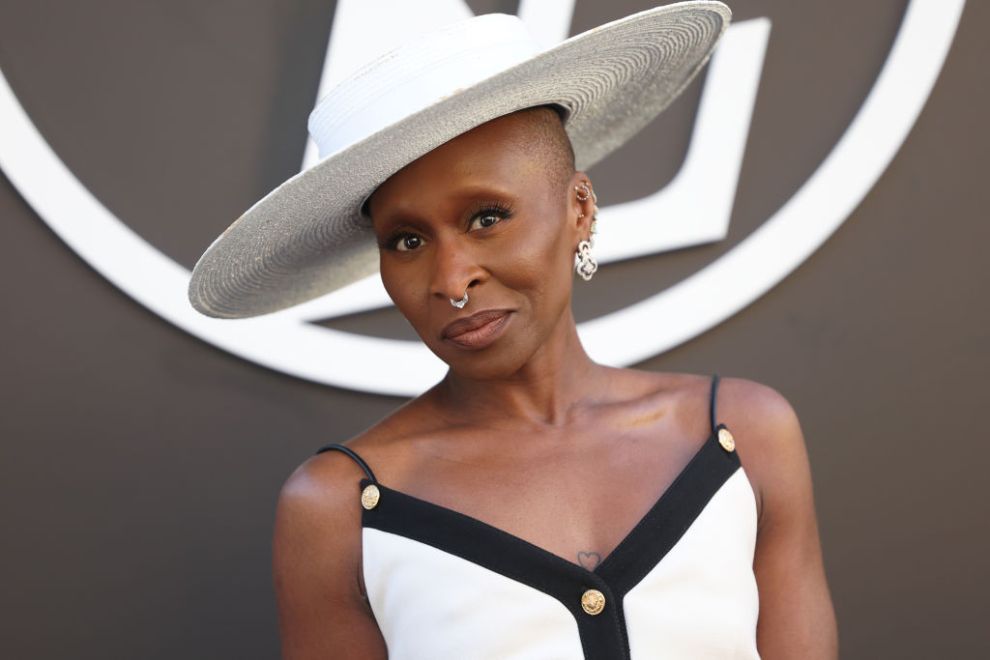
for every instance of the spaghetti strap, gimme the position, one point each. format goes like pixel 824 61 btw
pixel 711 405
pixel 350 452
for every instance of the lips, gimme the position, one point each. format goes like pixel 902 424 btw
pixel 473 322
pixel 479 330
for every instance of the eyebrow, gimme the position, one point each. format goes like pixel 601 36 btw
pixel 397 219
pixel 469 193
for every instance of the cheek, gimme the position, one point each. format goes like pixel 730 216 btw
pixel 401 288
pixel 538 260
pixel 408 285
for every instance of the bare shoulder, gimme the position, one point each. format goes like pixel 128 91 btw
pixel 319 502
pixel 753 404
pixel 316 562
pixel 797 618
pixel 768 436
pixel 762 418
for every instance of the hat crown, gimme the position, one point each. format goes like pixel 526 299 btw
pixel 417 74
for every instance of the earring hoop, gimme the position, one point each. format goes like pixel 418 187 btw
pixel 459 304
pixel 584 193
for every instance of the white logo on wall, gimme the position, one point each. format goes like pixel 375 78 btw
pixel 703 190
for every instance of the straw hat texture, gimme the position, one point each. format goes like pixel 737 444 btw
pixel 308 237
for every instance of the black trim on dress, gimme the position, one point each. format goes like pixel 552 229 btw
pixel 603 636
pixel 353 454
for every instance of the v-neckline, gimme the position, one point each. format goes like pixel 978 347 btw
pixel 489 547
pixel 604 567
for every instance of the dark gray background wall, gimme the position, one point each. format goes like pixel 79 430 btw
pixel 140 466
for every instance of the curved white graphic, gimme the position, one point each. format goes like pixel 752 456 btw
pixel 286 341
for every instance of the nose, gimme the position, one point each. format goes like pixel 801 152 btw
pixel 455 270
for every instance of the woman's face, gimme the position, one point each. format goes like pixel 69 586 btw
pixel 490 213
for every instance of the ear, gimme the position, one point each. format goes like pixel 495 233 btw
pixel 581 211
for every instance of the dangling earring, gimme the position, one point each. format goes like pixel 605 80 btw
pixel 585 264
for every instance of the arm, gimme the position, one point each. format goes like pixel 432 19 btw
pixel 797 619
pixel 322 612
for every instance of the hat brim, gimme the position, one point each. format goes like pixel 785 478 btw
pixel 307 237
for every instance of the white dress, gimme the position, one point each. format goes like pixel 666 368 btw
pixel 446 586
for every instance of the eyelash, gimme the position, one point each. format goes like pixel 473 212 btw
pixel 499 209
pixel 503 211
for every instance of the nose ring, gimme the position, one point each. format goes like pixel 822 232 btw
pixel 459 304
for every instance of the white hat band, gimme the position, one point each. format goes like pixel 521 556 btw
pixel 413 78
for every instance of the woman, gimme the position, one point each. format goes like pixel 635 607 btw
pixel 533 503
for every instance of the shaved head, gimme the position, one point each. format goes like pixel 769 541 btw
pixel 551 145
pixel 542 138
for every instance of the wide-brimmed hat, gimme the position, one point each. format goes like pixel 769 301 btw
pixel 308 236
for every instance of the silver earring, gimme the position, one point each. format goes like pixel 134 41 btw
pixel 459 304
pixel 585 264
pixel 584 191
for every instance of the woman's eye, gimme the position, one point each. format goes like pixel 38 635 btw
pixel 408 242
pixel 487 218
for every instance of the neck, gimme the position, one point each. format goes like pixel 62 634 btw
pixel 544 391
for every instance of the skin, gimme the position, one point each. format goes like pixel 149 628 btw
pixel 529 434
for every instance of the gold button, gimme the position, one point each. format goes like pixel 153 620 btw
pixel 593 601
pixel 726 440
pixel 369 496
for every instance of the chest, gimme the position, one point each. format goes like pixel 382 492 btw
pixel 578 504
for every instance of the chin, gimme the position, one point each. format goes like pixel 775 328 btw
pixel 496 362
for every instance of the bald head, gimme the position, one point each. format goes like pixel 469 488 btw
pixel 538 132
pixel 548 142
